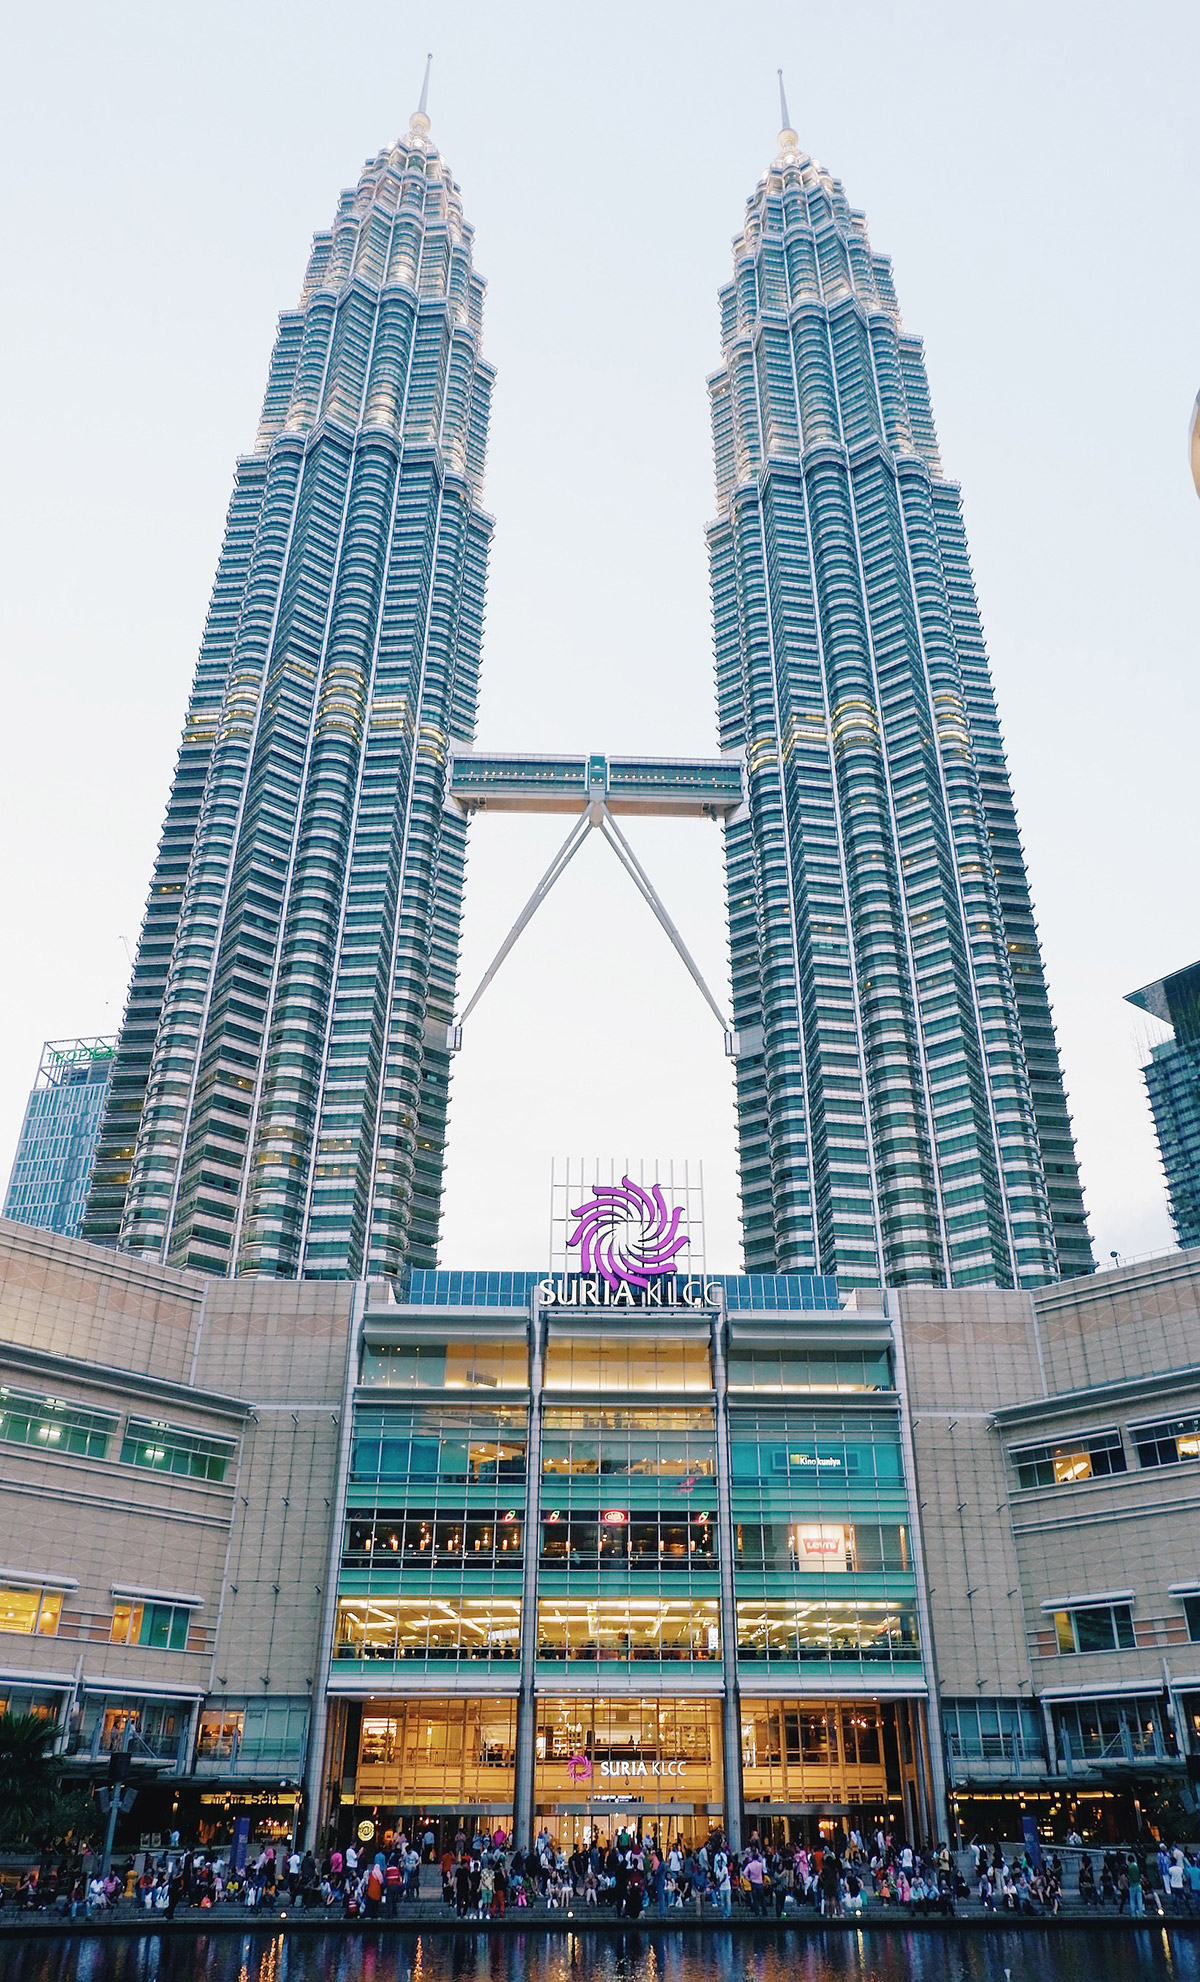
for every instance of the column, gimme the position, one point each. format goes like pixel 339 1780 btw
pixel 731 1715
pixel 526 1759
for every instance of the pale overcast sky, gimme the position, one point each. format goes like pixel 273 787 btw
pixel 1032 169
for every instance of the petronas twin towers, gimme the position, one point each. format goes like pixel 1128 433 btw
pixel 279 1099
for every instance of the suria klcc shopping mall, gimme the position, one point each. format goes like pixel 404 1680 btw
pixel 656 1529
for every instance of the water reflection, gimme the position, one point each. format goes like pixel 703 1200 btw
pixel 805 1954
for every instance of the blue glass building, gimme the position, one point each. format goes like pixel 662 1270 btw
pixel 53 1165
pixel 1172 1076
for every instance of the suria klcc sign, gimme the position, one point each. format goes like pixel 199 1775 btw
pixel 629 1246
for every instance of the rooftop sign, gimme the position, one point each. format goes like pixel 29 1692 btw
pixel 625 1233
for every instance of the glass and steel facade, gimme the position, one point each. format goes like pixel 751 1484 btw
pixel 1172 1076
pixel 655 1566
pixel 53 1165
pixel 902 1116
pixel 279 1098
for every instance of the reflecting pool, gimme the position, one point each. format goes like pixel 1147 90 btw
pixel 650 1954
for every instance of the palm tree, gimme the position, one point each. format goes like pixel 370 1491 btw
pixel 28 1774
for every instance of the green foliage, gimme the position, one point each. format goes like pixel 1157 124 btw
pixel 29 1775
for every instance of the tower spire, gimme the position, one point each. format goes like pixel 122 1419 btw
pixel 788 139
pixel 418 123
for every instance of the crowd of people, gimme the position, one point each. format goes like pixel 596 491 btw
pixel 483 1877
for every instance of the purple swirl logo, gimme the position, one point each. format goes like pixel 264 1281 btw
pixel 626 1233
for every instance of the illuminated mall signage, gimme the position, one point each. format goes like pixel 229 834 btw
pixel 626 1236
pixel 583 1290
pixel 821 1547
pixel 627 1769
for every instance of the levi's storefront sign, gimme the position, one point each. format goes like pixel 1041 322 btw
pixel 626 1246
pixel 820 1546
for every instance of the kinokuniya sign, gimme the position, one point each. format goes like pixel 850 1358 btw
pixel 629 1246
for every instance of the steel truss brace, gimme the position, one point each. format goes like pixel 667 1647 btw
pixel 594 814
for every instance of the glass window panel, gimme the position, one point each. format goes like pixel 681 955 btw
pixel 170 1449
pixel 19 1610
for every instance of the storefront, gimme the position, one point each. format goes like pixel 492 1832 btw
pixel 648 1763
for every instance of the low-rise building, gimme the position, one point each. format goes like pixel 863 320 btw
pixel 513 1549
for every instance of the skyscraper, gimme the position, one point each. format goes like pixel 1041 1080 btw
pixel 900 1102
pixel 279 1097
pixel 1172 1076
pixel 53 1164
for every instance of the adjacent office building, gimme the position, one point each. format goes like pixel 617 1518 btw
pixel 1172 1076
pixel 901 1108
pixel 53 1165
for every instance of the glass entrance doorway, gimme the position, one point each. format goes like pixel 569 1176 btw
pixel 648 1764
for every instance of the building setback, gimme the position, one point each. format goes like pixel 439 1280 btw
pixel 52 1168
pixel 901 1109
pixel 279 1099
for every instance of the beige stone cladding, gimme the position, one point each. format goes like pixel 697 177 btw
pixel 283 1345
pixel 964 1353
pixel 991 1374
pixel 72 1299
pixel 260 1365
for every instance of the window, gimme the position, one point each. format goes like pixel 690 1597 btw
pixel 1091 1456
pixel 162 1626
pixel 1095 1628
pixel 826 1630
pixel 647 1630
pixel 470 1444
pixel 628 1362
pixel 1168 1443
pixel 761 1368
pixel 483 1365
pixel 167 1449
pixel 646 1444
pixel 821 1546
pixel 32 1613
pixel 629 1538
pixel 428 1628
pixel 220 1734
pixel 53 1425
pixel 1191 1610
pixel 433 1538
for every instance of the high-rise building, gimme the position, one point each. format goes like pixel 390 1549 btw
pixel 900 1101
pixel 1172 1076
pixel 53 1164
pixel 279 1097
pixel 279 1100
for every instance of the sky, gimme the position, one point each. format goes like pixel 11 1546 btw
pixel 1033 171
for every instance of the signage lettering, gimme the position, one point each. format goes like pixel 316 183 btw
pixel 584 1290
pixel 640 1768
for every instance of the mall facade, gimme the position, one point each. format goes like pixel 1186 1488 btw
pixel 512 1549
pixel 651 1560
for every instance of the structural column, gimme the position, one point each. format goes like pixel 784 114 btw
pixel 731 1715
pixel 523 1787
